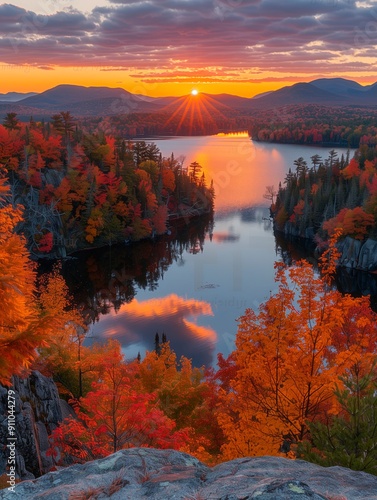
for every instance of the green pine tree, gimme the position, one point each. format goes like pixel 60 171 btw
pixel 348 439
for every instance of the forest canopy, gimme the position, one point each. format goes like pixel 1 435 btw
pixel 81 189
pixel 331 193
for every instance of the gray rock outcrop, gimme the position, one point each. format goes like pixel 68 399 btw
pixel 140 473
pixel 355 254
pixel 359 255
pixel 38 411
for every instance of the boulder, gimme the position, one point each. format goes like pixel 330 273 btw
pixel 139 473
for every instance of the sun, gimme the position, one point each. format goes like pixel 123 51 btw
pixel 194 92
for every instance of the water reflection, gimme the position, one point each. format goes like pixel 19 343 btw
pixel 358 283
pixel 236 165
pixel 229 236
pixel 135 325
pixel 352 281
pixel 104 283
pixel 291 250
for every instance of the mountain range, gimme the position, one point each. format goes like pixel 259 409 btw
pixel 104 101
pixel 15 96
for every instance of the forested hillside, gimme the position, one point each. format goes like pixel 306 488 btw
pixel 331 193
pixel 80 189
pixel 316 124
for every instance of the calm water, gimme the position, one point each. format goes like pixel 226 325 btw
pixel 194 284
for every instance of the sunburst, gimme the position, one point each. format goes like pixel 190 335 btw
pixel 195 107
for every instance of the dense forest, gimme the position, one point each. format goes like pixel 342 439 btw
pixel 301 381
pixel 347 126
pixel 315 124
pixel 329 194
pixel 82 189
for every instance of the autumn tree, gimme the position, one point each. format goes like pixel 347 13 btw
pixel 352 169
pixel 22 329
pixel 114 416
pixel 354 223
pixel 187 395
pixel 11 149
pixel 288 358
pixel 65 356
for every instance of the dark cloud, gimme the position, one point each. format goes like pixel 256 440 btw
pixel 229 35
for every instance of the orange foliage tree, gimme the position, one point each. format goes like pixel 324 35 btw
pixel 288 360
pixel 64 356
pixel 351 170
pixel 355 223
pixel 22 328
pixel 187 395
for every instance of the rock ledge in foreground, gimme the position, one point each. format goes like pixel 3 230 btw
pixel 147 473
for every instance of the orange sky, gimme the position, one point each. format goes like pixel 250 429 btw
pixel 169 47
pixel 32 79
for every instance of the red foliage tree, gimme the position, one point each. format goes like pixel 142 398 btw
pixel 114 416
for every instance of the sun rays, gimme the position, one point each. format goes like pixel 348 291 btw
pixel 194 112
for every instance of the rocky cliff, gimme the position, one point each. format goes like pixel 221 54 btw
pixel 37 411
pixel 166 474
pixel 360 255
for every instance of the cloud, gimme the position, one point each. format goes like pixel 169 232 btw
pixel 137 323
pixel 223 35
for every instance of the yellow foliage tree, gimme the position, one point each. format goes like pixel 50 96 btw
pixel 187 396
pixel 65 355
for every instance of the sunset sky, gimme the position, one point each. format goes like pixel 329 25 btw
pixel 170 47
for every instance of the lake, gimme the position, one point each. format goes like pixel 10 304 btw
pixel 193 284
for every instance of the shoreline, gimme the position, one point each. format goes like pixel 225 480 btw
pixel 176 220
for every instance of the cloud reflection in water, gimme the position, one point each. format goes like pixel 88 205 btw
pixel 138 322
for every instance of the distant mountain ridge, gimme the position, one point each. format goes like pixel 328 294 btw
pixel 15 96
pixel 339 85
pixel 104 101
pixel 324 91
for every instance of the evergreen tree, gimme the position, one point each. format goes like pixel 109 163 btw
pixel 11 122
pixel 157 347
pixel 348 439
